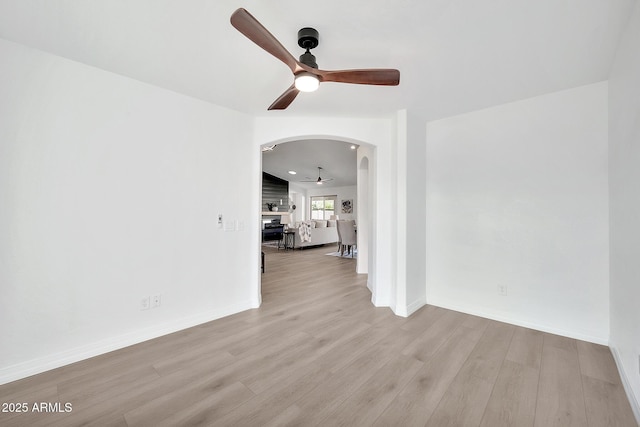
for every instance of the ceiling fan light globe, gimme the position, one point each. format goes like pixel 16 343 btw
pixel 307 82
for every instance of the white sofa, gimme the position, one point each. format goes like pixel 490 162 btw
pixel 322 233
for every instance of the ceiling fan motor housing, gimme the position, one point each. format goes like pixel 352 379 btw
pixel 308 39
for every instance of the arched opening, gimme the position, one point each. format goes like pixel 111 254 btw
pixel 363 198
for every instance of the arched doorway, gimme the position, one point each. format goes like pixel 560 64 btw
pixel 364 198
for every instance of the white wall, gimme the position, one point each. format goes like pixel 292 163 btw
pixel 364 220
pixel 110 190
pixel 517 196
pixel 341 193
pixel 297 195
pixel 624 190
pixel 367 221
pixel 413 208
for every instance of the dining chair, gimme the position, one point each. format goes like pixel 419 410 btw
pixel 347 235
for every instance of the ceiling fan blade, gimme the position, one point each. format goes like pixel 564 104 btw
pixel 285 99
pixel 244 22
pixel 372 76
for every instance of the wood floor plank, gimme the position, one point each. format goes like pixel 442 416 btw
pixel 560 395
pixel 366 403
pixel 557 341
pixel 465 401
pixel 89 385
pixel 288 417
pixel 379 339
pixel 326 397
pixel 174 363
pixel 606 404
pixel 318 353
pixel 268 406
pixel 427 315
pixel 415 404
pixel 268 378
pixel 434 335
pixel 513 399
pixel 153 411
pixel 596 361
pixel 198 409
pixel 526 347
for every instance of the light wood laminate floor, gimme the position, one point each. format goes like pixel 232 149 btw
pixel 317 353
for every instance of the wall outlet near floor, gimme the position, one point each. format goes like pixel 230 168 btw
pixel 502 290
pixel 156 301
pixel 145 303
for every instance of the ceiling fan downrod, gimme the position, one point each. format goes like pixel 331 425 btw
pixel 308 39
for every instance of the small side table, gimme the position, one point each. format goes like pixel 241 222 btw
pixel 288 240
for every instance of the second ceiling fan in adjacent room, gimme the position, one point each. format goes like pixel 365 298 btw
pixel 320 180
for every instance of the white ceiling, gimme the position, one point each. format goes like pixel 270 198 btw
pixel 454 56
pixel 336 158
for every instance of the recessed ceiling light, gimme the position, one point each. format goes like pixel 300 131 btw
pixel 292 172
pixel 353 147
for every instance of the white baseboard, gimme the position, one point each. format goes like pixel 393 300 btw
pixel 256 302
pixel 377 301
pixel 487 314
pixel 633 401
pixel 53 361
pixel 408 310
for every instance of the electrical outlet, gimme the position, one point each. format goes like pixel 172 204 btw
pixel 502 290
pixel 145 303
pixel 156 300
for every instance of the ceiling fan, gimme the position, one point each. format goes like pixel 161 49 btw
pixel 318 181
pixel 307 76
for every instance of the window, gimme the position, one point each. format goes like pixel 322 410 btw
pixel 322 207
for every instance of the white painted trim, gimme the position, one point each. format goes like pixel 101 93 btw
pixel 256 302
pixel 377 301
pixel 514 321
pixel 416 305
pixel 633 401
pixel 408 310
pixel 53 361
